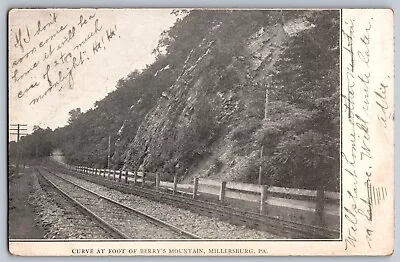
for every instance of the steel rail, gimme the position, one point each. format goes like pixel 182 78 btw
pixel 147 217
pixel 267 223
pixel 103 224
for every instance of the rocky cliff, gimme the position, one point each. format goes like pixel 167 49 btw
pixel 231 95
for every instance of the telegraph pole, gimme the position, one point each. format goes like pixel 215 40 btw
pixel 109 153
pixel 20 128
pixel 262 146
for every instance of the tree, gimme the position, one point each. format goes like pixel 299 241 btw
pixel 306 153
pixel 73 115
pixel 37 144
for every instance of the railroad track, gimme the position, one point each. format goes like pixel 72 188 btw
pixel 235 216
pixel 121 221
pixel 83 222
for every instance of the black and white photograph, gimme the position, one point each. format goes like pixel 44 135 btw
pixel 223 130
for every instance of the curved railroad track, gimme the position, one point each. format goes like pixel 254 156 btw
pixel 84 223
pixel 233 215
pixel 121 221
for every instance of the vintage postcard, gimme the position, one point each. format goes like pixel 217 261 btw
pixel 200 132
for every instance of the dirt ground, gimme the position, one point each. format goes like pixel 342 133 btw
pixel 21 214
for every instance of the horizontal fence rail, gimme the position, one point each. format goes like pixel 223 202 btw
pixel 294 198
pixel 288 207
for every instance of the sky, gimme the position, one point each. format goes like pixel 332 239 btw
pixel 64 59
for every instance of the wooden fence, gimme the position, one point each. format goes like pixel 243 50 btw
pixel 303 200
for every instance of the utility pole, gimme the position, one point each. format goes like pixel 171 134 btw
pixel 262 146
pixel 19 128
pixel 109 153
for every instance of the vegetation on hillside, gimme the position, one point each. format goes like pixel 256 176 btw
pixel 201 109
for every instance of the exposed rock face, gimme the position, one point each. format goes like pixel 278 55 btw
pixel 230 86
pixel 207 123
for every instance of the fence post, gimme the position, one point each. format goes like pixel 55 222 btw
pixel 114 173
pixel 135 177
pixel 319 206
pixel 157 181
pixel 264 195
pixel 126 177
pixel 144 179
pixel 222 192
pixel 175 184
pixel 195 187
pixel 120 175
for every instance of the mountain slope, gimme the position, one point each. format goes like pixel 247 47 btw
pixel 230 85
pixel 210 123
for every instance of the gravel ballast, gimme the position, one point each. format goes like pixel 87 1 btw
pixel 125 221
pixel 203 226
pixel 59 218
